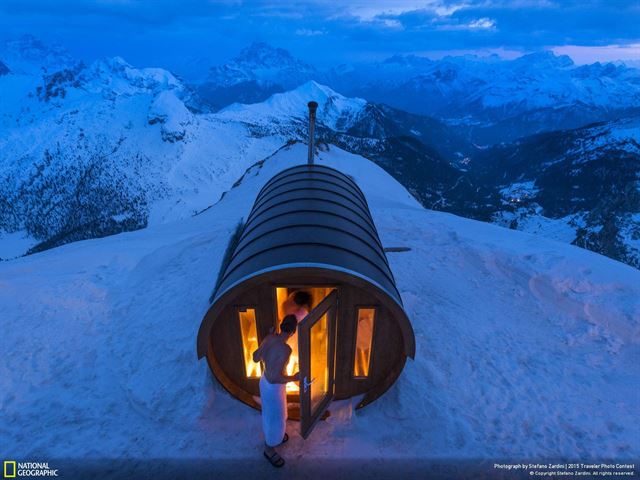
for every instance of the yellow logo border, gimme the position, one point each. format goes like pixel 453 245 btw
pixel 9 462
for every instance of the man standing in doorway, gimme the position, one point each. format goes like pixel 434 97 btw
pixel 274 354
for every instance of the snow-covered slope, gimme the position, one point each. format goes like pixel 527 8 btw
pixel 526 348
pixel 92 150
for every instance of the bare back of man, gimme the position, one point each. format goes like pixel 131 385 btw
pixel 274 353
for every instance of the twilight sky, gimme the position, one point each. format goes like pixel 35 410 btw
pixel 175 33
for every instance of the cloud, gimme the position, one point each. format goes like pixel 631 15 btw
pixel 150 31
pixel 306 32
pixel 476 24
pixel 482 24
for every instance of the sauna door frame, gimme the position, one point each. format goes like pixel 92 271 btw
pixel 328 306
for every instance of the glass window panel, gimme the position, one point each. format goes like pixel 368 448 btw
pixel 319 361
pixel 364 337
pixel 249 334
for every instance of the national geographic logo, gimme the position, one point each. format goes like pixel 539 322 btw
pixel 13 469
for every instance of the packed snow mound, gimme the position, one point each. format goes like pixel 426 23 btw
pixel 334 110
pixel 526 348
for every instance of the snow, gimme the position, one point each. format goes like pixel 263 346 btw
pixel 15 244
pixel 630 234
pixel 131 134
pixel 622 134
pixel 137 123
pixel 334 110
pixel 526 347
pixel 516 192
pixel 174 116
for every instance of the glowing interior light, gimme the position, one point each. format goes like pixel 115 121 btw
pixel 293 366
pixel 249 342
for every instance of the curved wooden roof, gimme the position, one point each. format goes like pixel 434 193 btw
pixel 310 215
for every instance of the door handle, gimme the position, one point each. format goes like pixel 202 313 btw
pixel 306 384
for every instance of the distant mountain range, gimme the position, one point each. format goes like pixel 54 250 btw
pixel 490 99
pixel 92 150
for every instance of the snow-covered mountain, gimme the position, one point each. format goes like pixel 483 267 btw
pixel 264 64
pixel 492 100
pixel 91 150
pixel 335 111
pixel 257 72
pixel 526 348
pixel 580 186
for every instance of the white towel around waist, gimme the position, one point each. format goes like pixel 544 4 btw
pixel 273 397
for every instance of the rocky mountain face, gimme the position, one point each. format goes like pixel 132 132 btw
pixel 255 74
pixel 92 150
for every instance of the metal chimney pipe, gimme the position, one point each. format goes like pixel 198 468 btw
pixel 313 106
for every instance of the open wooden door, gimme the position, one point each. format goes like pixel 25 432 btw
pixel 316 346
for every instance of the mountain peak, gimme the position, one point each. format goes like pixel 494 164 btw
pixel 407 60
pixel 545 58
pixel 264 64
pixel 264 56
pixel 118 76
pixel 28 53
pixel 263 53
pixel 334 110
pixel 316 91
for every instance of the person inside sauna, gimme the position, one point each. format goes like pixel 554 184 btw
pixel 298 303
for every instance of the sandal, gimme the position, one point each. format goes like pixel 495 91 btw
pixel 285 439
pixel 276 460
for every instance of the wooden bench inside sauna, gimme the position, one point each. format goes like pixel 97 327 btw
pixel 310 230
